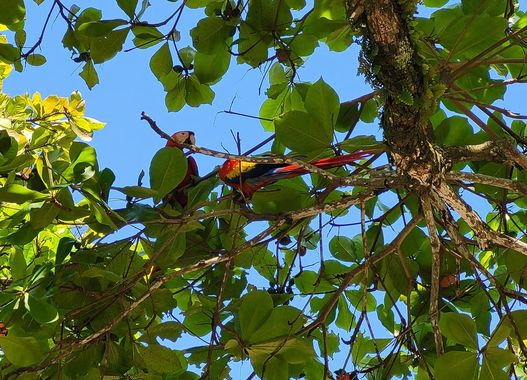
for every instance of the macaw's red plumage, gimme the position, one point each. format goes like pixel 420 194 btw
pixel 249 177
pixel 178 195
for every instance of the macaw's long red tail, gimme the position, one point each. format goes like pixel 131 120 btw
pixel 291 171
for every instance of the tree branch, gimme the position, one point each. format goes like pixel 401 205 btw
pixel 435 244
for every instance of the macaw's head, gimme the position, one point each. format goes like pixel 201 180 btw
pixel 182 137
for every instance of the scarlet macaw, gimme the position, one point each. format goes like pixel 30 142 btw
pixel 178 195
pixel 249 177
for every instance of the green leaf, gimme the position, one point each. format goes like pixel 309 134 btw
pixel 105 48
pixel 276 370
pixel 520 321
pixel 100 212
pixel 167 170
pixel 210 68
pixel 322 103
pixel 435 3
pixel 146 36
pixel 255 308
pixel 19 194
pixel 171 245
pixel 296 4
pixel 24 351
pixel 461 34
pixel 454 131
pixel 304 44
pixel 270 109
pixel 361 300
pixel 128 6
pixel 277 74
pixel 137 191
pixel 340 39
pixel 370 111
pixel 64 248
pixel 12 12
pixel 41 311
pixel 23 235
pixel 167 330
pixel 360 142
pixel 494 360
pixel 36 59
pixel 480 310
pixel 20 38
pixel 161 62
pixel 210 35
pixel 300 132
pixel 457 365
pixel 386 317
pixel 348 117
pixel 196 92
pixel 89 74
pixel 197 321
pixel 491 7
pixel 269 15
pixel 8 53
pixel 281 197
pixel 18 265
pixel 95 272
pixel 344 318
pixel 163 360
pixel 175 98
pixel 43 216
pixel 252 46
pixel 99 28
pixel 345 249
pixel 283 322
pixel 83 162
pixel 460 328
pixel 187 55
pixel 307 281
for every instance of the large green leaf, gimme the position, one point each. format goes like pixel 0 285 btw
pixel 494 360
pixel 210 35
pixel 161 62
pixel 322 102
pixel 42 311
pixel 460 328
pixel 282 323
pixel 254 310
pixel 12 12
pixel 167 170
pixel 210 68
pixel 19 194
pixel 461 35
pixel 454 131
pixel 99 28
pixel 302 133
pixel 346 249
pixel 18 264
pixel 24 351
pixel 163 360
pixel 106 47
pixel 435 3
pixel 128 6
pixel 457 365
pixel 89 74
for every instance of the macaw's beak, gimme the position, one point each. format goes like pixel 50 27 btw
pixel 182 137
pixel 191 139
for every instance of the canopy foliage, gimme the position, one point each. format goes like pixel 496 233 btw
pixel 427 282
